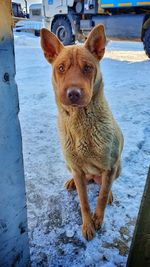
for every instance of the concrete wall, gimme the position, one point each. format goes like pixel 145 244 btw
pixel 14 247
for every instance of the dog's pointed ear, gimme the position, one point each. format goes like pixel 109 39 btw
pixel 50 44
pixel 96 41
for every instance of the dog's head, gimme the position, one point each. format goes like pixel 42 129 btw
pixel 75 68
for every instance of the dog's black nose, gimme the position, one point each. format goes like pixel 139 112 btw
pixel 74 95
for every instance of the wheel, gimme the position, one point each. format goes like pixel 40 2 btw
pixel 146 42
pixel 61 27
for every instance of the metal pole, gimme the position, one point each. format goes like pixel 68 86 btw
pixel 14 246
pixel 139 255
pixel 26 6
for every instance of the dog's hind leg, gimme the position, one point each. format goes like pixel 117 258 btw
pixel 70 185
pixel 118 171
pixel 110 198
pixel 104 196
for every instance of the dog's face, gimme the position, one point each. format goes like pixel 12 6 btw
pixel 75 68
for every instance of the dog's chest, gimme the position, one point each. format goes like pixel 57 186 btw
pixel 85 140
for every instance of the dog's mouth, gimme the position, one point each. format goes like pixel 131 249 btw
pixel 80 104
pixel 77 105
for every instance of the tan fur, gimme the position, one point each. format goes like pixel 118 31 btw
pixel 91 139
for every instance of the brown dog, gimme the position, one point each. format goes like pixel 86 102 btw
pixel 91 139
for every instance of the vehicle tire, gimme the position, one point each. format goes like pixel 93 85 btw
pixel 146 42
pixel 61 27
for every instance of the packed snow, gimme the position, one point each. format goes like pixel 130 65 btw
pixel 54 217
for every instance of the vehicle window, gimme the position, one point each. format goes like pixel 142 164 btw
pixel 36 12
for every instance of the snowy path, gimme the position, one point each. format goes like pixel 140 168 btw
pixel 54 214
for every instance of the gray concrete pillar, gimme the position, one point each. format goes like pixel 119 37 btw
pixel 14 246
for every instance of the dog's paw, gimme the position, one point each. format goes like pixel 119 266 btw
pixel 70 185
pixel 88 230
pixel 98 220
pixel 110 198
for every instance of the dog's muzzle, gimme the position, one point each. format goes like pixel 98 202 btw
pixel 73 95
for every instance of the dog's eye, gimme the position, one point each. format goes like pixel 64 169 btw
pixel 87 68
pixel 61 68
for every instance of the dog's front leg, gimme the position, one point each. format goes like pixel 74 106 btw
pixel 88 229
pixel 105 190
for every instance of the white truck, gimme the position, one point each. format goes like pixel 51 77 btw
pixel 34 23
pixel 123 19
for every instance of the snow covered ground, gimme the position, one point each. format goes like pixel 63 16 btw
pixel 53 213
